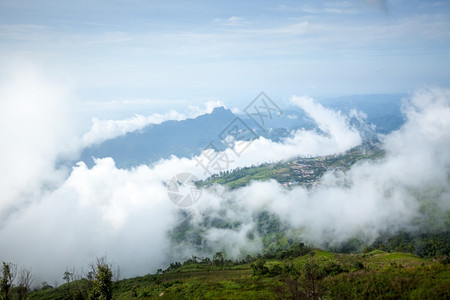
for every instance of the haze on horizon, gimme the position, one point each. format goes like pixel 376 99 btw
pixel 157 55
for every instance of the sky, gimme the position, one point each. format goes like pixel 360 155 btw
pixel 169 54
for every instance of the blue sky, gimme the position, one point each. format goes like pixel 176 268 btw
pixel 192 51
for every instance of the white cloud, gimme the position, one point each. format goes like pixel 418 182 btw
pixel 383 196
pixel 127 213
pixel 337 136
pixel 101 210
pixel 35 130
pixel 102 130
pixel 124 213
pixel 231 21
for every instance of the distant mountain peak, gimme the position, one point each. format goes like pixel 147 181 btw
pixel 220 109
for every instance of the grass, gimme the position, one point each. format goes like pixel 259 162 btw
pixel 283 173
pixel 372 275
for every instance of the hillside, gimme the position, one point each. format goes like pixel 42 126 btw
pixel 300 273
pixel 305 171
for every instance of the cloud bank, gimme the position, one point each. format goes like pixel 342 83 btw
pixel 383 196
pixel 35 130
pixel 126 214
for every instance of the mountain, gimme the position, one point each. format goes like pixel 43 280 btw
pixel 181 138
pixel 189 137
pixel 184 138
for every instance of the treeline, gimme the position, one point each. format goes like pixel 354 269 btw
pixel 434 245
pixel 315 275
pixel 300 272
pixel 95 284
pixel 277 236
pixel 426 245
pixel 374 275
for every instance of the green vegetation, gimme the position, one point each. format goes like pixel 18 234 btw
pixel 394 266
pixel 8 275
pixel 97 284
pixel 296 273
pixel 102 282
pixel 427 245
pixel 298 171
pixel 275 234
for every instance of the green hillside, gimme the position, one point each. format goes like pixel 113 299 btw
pixel 305 171
pixel 300 273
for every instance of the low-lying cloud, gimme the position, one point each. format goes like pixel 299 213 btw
pixel 382 196
pixel 35 130
pixel 127 214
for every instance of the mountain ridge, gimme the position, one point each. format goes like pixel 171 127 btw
pixel 187 138
pixel 156 141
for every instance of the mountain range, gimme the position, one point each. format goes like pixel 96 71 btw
pixel 189 137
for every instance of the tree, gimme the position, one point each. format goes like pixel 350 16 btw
pixel 302 284
pixel 68 276
pixel 218 259
pixel 312 286
pixel 259 267
pixel 102 276
pixel 24 282
pixel 76 286
pixel 8 276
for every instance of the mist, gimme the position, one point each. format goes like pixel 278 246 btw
pixel 55 217
pixel 384 196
